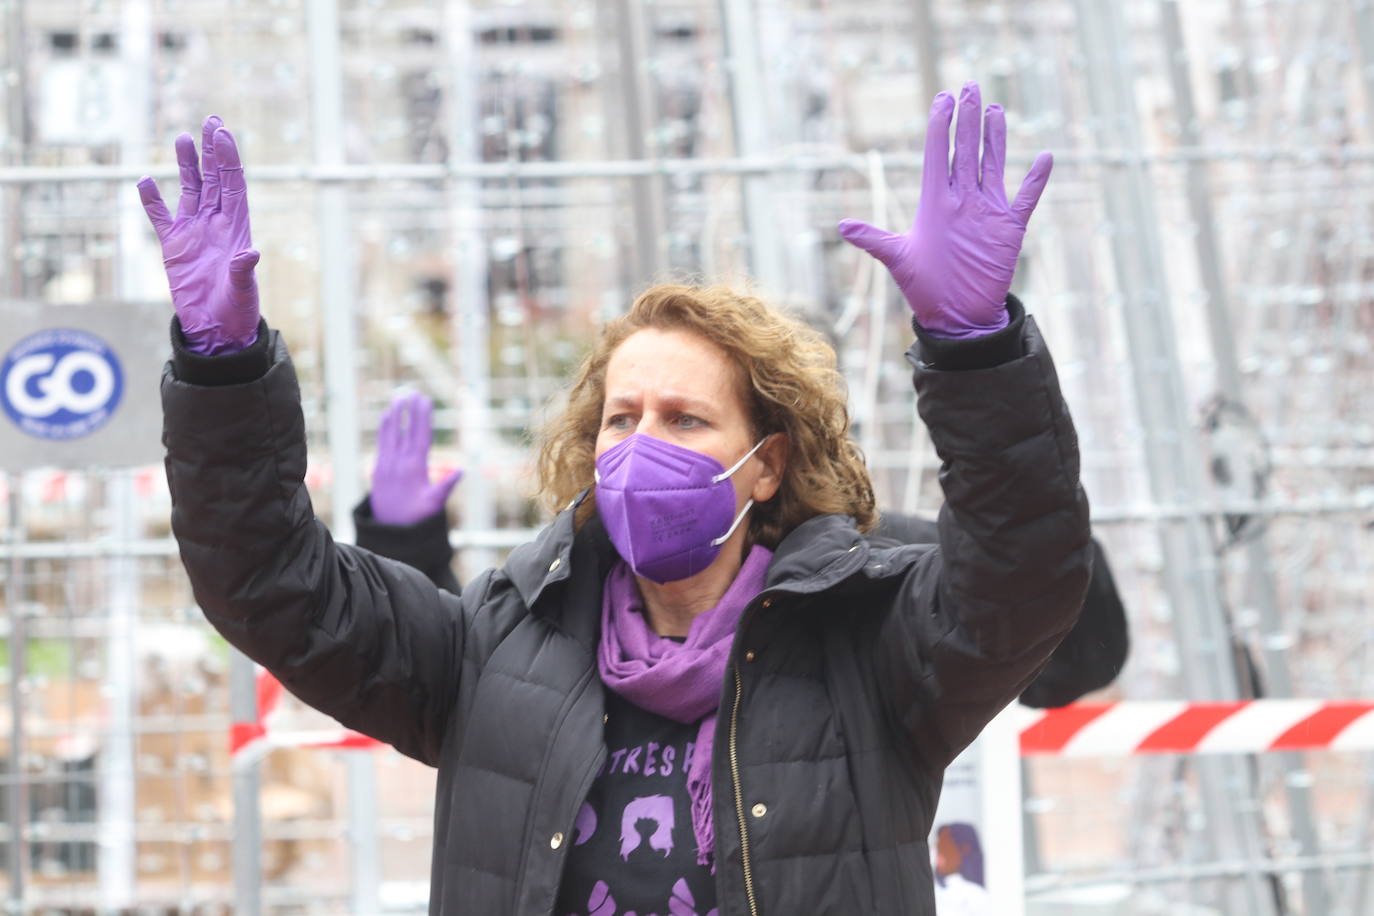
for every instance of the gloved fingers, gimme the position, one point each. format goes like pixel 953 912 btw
pixel 966 134
pixel 995 152
pixel 448 482
pixel 882 245
pixel 190 177
pixel 421 431
pixel 1032 186
pixel 243 282
pixel 209 166
pixel 233 192
pixel 935 169
pixel 387 428
pixel 154 206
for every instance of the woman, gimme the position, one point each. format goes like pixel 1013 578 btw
pixel 706 587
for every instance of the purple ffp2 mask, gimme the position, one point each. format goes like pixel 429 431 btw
pixel 667 509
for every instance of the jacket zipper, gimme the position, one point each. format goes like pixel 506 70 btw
pixel 739 801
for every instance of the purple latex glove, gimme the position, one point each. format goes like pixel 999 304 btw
pixel 207 250
pixel 401 491
pixel 956 263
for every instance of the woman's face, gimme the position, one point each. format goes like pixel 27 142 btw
pixel 681 388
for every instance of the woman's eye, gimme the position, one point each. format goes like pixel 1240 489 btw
pixel 687 421
pixel 619 421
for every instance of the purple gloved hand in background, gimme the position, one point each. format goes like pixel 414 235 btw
pixel 955 265
pixel 401 491
pixel 207 249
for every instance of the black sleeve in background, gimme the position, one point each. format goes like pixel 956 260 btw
pixel 976 352
pixel 247 365
pixel 423 545
pixel 1093 652
pixel 907 529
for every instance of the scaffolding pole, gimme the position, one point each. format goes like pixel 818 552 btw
pixel 17 794
pixel 1172 456
pixel 1262 588
pixel 15 94
pixel 338 302
pixel 927 49
pixel 752 121
pixel 116 787
pixel 246 784
pixel 470 312
pixel 1362 889
pixel 625 21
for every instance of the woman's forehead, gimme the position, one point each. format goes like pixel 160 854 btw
pixel 673 364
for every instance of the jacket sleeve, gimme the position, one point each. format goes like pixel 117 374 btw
pixel 366 640
pixel 1093 651
pixel 423 545
pixel 976 618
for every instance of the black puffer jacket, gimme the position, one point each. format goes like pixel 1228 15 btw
pixel 1089 658
pixel 856 675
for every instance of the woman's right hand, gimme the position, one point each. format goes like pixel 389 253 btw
pixel 207 249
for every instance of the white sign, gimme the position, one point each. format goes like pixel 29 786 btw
pixel 79 384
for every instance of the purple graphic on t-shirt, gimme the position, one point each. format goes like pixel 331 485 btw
pixel 600 902
pixel 683 903
pixel 585 825
pixel 656 808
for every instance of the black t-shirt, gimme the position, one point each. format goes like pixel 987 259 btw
pixel 634 852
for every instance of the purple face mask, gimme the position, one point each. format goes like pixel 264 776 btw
pixel 666 508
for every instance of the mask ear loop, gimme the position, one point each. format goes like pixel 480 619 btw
pixel 738 518
pixel 745 511
pixel 738 464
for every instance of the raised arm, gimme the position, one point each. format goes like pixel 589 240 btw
pixel 979 616
pixel 403 515
pixel 367 640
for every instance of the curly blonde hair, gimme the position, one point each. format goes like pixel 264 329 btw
pixel 792 388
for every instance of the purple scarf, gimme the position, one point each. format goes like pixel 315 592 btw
pixel 677 680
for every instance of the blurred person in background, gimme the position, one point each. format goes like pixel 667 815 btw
pixel 959 887
pixel 701 689
pixel 403 517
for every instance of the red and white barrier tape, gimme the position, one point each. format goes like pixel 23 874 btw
pixel 1081 730
pixel 1248 727
pixel 249 742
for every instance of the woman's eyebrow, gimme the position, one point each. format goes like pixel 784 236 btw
pixel 684 401
pixel 673 400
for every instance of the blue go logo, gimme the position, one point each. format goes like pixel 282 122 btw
pixel 60 383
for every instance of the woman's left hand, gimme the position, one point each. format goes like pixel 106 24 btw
pixel 956 263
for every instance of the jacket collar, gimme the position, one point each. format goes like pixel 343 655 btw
pixel 824 551
pixel 547 560
pixel 817 555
